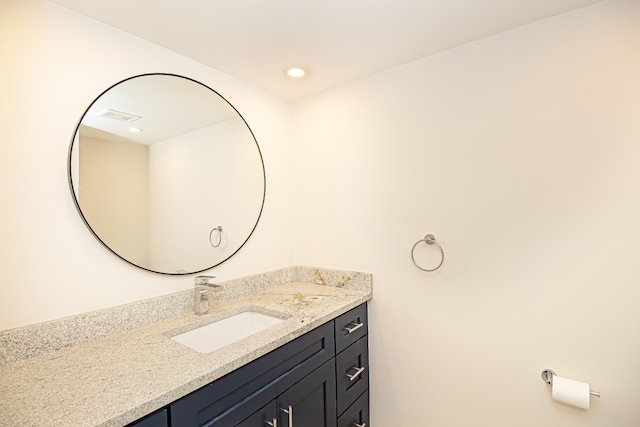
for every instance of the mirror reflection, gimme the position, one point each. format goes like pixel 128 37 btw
pixel 167 174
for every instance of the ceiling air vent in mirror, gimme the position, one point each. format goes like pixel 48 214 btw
pixel 119 115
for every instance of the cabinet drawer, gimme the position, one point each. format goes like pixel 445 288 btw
pixel 352 373
pixel 287 364
pixel 350 327
pixel 357 414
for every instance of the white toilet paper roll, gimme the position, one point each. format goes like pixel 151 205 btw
pixel 571 392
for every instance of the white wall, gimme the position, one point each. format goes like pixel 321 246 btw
pixel 112 188
pixel 226 157
pixel 520 152
pixel 55 63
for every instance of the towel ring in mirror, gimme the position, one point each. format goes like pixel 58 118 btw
pixel 219 239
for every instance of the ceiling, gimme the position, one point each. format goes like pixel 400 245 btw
pixel 337 41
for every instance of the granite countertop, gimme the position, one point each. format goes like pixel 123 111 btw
pixel 119 378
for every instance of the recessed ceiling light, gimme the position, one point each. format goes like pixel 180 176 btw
pixel 295 72
pixel 135 130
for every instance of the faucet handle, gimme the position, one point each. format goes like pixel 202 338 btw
pixel 204 280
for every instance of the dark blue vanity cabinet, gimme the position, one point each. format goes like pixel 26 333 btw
pixel 320 379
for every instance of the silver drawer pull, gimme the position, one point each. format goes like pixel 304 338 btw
pixel 356 374
pixel 289 411
pixel 360 425
pixel 354 327
pixel 272 423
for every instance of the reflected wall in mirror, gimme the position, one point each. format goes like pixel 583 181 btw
pixel 156 163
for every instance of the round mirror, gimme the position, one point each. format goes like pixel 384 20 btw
pixel 167 174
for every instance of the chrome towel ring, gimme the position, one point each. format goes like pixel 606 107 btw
pixel 429 239
pixel 219 230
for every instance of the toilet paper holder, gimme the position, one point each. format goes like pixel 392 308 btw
pixel 547 377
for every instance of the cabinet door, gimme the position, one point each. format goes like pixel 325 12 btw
pixel 312 401
pixel 267 416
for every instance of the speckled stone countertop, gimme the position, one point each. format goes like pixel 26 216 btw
pixel 121 377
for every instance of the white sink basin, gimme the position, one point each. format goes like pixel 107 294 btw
pixel 213 336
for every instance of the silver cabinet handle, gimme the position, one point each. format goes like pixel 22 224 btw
pixel 360 425
pixel 289 411
pixel 356 374
pixel 272 423
pixel 354 327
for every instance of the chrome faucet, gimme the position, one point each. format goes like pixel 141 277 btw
pixel 204 284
